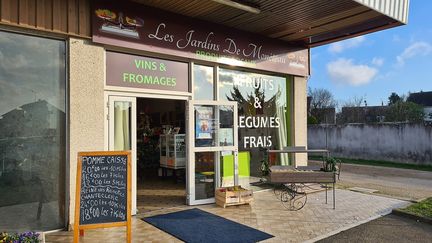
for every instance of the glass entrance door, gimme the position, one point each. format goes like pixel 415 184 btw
pixel 122 132
pixel 213 137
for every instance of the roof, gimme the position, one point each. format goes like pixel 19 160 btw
pixel 421 98
pixel 378 108
pixel 308 23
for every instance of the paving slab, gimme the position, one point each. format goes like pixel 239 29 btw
pixel 395 182
pixel 267 214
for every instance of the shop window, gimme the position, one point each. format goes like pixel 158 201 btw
pixel 32 132
pixel 204 175
pixel 264 117
pixel 226 125
pixel 203 82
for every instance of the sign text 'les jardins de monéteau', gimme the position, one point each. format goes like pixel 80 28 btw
pixel 137 26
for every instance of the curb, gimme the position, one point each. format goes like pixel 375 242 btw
pixel 347 227
pixel 396 197
pixel 412 216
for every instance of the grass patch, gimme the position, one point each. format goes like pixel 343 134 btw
pixel 422 209
pixel 380 163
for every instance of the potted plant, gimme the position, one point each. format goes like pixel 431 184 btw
pixel 331 164
pixel 26 237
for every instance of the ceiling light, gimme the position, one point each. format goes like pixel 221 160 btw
pixel 238 5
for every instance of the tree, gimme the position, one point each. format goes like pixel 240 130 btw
pixel 405 112
pixel 354 102
pixel 311 120
pixel 321 98
pixel 394 98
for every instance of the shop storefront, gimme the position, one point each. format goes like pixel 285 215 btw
pixel 237 89
pixel 196 102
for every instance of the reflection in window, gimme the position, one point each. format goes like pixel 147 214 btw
pixel 203 83
pixel 122 125
pixel 204 175
pixel 226 126
pixel 32 133
pixel 263 121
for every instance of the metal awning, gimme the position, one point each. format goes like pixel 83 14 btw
pixel 303 22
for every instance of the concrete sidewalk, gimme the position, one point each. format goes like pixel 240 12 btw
pixel 267 214
pixel 395 182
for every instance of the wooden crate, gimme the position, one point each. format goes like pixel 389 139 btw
pixel 226 196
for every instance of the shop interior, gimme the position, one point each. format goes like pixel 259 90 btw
pixel 161 154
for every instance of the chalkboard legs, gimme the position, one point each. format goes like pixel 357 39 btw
pixel 76 234
pixel 129 232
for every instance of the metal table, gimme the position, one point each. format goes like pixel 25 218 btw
pixel 290 181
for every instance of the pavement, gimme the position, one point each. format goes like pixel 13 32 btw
pixel 399 183
pixel 405 184
pixel 390 228
pixel 267 214
pixel 359 217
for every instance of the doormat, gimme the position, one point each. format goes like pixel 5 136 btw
pixel 195 225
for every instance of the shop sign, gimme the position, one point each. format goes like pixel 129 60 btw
pixel 133 71
pixel 137 26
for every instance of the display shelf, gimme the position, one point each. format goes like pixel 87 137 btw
pixel 163 150
pixel 173 151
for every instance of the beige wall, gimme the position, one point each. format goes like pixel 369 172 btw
pixel 300 117
pixel 86 89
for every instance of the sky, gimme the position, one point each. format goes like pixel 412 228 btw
pixel 375 65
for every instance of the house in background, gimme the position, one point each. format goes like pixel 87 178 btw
pixel 320 115
pixel 363 114
pixel 424 99
pixel 324 115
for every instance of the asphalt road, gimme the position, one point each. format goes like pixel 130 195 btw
pixel 394 182
pixel 390 228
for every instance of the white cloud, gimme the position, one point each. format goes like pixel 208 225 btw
pixel 339 47
pixel 378 61
pixel 419 48
pixel 344 71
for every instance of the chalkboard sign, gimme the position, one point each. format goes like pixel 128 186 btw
pixel 103 190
